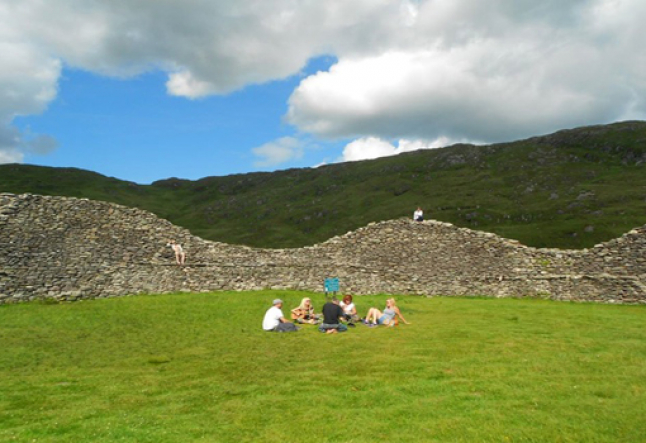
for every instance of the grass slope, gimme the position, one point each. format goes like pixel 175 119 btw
pixel 571 189
pixel 189 368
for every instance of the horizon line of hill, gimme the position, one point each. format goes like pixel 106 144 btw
pixel 571 189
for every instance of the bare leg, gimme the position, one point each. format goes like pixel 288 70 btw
pixel 373 315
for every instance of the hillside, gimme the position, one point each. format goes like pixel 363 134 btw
pixel 571 189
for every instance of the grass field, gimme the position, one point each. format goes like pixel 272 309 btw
pixel 198 368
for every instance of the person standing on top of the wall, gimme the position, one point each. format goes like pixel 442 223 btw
pixel 418 215
pixel 180 255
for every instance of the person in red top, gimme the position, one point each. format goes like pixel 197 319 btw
pixel 349 310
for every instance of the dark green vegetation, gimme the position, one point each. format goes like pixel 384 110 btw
pixel 187 368
pixel 572 189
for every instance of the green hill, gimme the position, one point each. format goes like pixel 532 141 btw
pixel 571 189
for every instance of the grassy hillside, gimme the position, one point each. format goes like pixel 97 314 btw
pixel 571 189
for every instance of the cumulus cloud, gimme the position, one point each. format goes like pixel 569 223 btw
pixel 14 144
pixel 279 151
pixel 486 71
pixel 407 69
pixel 367 148
pixel 28 82
pixel 206 47
pixel 38 144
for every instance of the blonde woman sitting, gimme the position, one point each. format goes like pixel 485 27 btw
pixel 304 313
pixel 387 318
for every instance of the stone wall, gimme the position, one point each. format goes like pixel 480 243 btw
pixel 70 249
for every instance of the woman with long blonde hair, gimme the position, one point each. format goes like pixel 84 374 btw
pixel 389 317
pixel 304 313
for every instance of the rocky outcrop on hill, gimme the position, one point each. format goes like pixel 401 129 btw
pixel 70 249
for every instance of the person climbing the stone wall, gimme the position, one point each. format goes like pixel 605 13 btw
pixel 180 255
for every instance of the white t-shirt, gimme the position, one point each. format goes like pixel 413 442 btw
pixel 272 318
pixel 347 308
pixel 418 214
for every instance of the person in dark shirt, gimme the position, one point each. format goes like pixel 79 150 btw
pixel 332 314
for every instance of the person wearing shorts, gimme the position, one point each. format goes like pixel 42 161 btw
pixel 180 255
pixel 389 317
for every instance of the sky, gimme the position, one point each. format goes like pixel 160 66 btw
pixel 144 90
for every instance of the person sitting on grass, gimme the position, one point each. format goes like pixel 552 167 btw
pixel 349 310
pixel 274 320
pixel 304 313
pixel 386 318
pixel 332 315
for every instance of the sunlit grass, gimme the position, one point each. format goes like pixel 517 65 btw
pixel 182 368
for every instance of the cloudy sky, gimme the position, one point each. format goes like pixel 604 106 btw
pixel 149 89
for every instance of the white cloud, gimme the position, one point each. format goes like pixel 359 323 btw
pixel 28 82
pixel 39 144
pixel 279 151
pixel 407 69
pixel 206 47
pixel 367 148
pixel 490 72
pixel 14 144
pixel 8 155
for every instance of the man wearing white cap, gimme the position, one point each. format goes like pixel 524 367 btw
pixel 275 320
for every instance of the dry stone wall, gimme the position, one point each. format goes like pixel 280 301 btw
pixel 71 249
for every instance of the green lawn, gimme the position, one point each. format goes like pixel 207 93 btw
pixel 198 367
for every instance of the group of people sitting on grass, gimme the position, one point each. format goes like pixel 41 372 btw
pixel 335 316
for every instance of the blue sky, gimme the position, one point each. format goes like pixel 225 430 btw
pixel 145 90
pixel 132 129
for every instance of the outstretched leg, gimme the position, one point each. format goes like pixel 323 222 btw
pixel 373 315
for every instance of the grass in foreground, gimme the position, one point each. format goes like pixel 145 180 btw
pixel 184 368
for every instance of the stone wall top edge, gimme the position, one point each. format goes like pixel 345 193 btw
pixel 380 225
